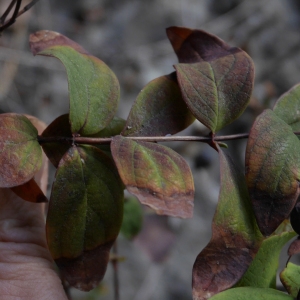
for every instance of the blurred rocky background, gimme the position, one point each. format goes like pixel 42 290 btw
pixel 129 35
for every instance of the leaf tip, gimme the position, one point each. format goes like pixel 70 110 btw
pixel 38 40
pixel 44 39
pixel 86 271
pixel 177 36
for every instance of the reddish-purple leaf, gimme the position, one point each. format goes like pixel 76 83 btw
pixel 60 127
pixel 294 247
pixel 158 110
pixel 216 80
pixel 156 175
pixel 20 152
pixel 272 170
pixel 195 45
pixel 235 237
pixel 30 191
pixel 87 270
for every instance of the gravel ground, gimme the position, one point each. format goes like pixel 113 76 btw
pixel 130 37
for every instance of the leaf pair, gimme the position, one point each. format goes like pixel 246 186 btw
pixel 215 80
pixel 85 214
pixel 86 207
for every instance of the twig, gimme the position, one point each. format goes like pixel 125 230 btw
pixel 103 141
pixel 17 13
pixel 27 7
pixel 12 20
pixel 116 274
pixel 6 13
pixel 174 138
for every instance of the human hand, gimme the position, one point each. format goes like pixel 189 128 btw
pixel 26 267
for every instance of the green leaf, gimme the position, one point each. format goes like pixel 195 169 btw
pixel 216 80
pixel 20 152
pixel 290 278
pixel 158 110
pixel 132 218
pixel 262 271
pixel 93 87
pixel 287 107
pixel 60 127
pixel 156 175
pixel 250 293
pixel 85 215
pixel 113 128
pixel 272 170
pixel 235 236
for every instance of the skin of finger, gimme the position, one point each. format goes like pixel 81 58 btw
pixel 26 267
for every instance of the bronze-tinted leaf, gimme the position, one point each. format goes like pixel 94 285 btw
pixel 87 270
pixel 30 191
pixel 158 110
pixel 195 45
pixel 20 152
pixel 235 236
pixel 156 175
pixel 294 247
pixel 85 215
pixel 60 127
pixel 93 87
pixel 216 80
pixel 272 170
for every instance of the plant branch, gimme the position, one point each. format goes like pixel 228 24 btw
pixel 6 13
pixel 12 20
pixel 105 141
pixel 174 138
pixel 17 13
